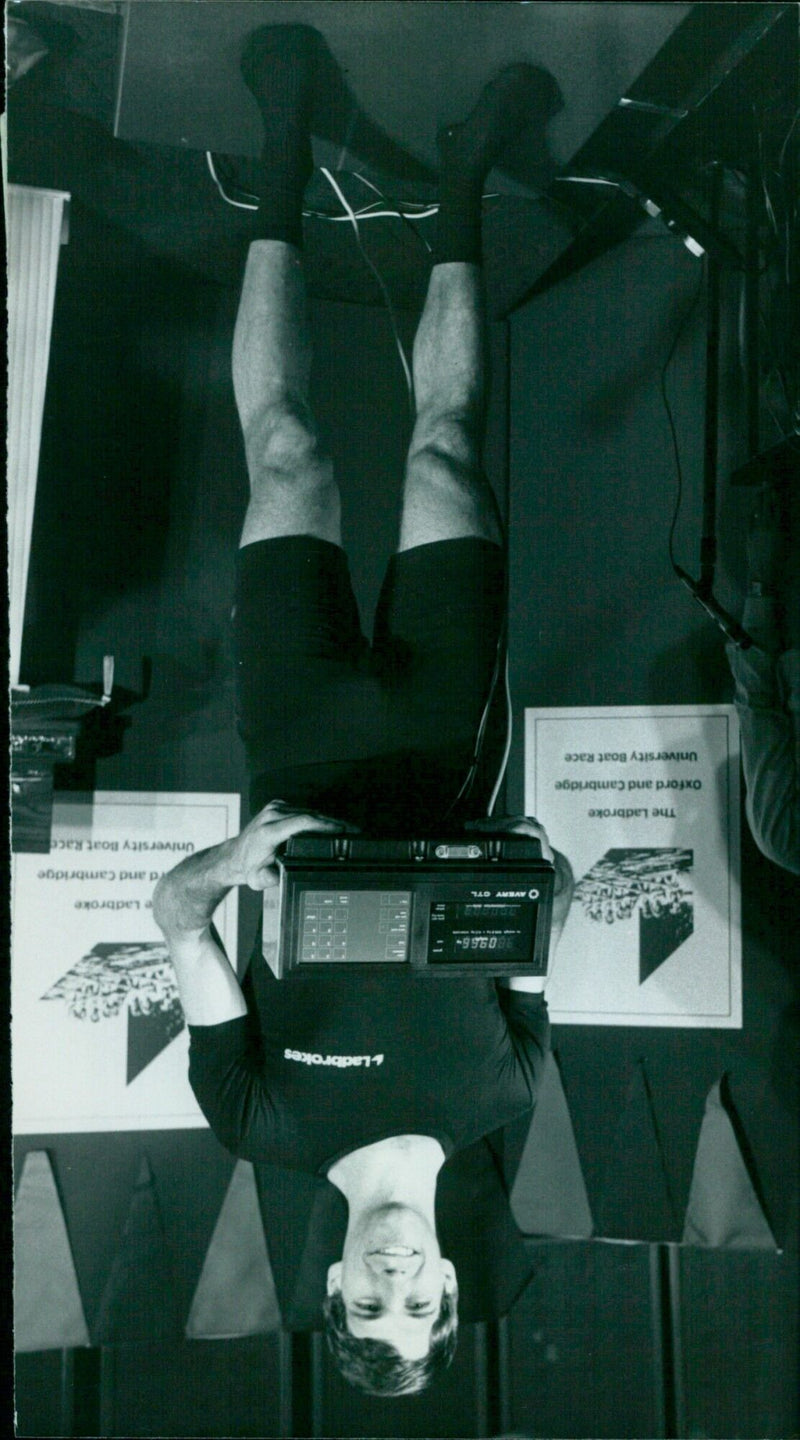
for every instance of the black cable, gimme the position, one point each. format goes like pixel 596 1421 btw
pixel 411 226
pixel 665 398
pixel 400 213
pixel 780 256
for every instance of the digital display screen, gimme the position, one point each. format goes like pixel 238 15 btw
pixel 481 930
pixel 354 926
pixel 486 944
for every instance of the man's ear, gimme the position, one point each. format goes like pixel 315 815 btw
pixel 449 1273
pixel 335 1277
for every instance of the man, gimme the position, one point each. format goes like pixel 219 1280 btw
pixel 375 1083
pixel 767 677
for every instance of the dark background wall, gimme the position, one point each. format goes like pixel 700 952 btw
pixel 142 488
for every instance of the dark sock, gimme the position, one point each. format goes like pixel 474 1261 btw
pixel 467 153
pixel 458 224
pixel 284 179
pixel 278 65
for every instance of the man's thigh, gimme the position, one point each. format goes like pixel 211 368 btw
pixel 369 731
pixel 297 638
pixel 439 631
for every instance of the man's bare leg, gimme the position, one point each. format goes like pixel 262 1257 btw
pixel 292 490
pixel 447 495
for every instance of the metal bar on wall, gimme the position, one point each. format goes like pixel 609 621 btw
pixel 657 1340
pixel 107 1380
pixel 665 1312
pixel 482 1382
pixel 86 1392
pixel 673 1258
pixel 284 1384
pixel 501 800
pixel 503 1373
pixel 302 1398
pixel 708 542
pixel 66 1392
pixel 317 1383
pixel 751 290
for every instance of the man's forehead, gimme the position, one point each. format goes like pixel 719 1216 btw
pixel 410 1336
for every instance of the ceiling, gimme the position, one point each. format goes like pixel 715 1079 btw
pixel 409 66
pixel 130 96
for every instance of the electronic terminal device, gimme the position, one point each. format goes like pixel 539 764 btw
pixel 451 906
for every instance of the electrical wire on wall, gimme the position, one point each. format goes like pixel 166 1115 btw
pixel 778 267
pixel 702 588
pixel 779 334
pixel 679 332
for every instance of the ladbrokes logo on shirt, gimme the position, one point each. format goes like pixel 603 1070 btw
pixel 340 1061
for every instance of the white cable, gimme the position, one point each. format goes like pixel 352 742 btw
pixel 368 183
pixel 371 214
pixel 237 204
pixel 490 195
pixel 587 180
pixel 420 214
pixel 507 750
pixel 415 211
pixel 469 778
pixel 379 278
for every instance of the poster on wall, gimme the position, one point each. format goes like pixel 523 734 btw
pixel 98 1035
pixel 644 802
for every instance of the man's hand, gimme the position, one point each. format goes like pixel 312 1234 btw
pixel 514 825
pixel 251 856
pixel 562 890
pixel 185 900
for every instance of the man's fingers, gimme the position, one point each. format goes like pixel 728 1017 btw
pixel 271 811
pixel 524 825
pixel 266 832
pixel 515 825
pixel 263 877
pixel 297 823
pixel 520 824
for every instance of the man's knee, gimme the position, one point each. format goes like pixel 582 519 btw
pixel 282 447
pixel 445 448
pixel 447 494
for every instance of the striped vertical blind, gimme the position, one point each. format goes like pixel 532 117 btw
pixel 35 223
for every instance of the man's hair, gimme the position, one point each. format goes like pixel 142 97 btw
pixel 375 1366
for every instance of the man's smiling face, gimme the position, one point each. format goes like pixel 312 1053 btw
pixel 392 1278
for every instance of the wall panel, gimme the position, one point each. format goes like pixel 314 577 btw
pixel 581 1354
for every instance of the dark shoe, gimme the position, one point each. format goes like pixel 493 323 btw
pixel 507 105
pixel 279 64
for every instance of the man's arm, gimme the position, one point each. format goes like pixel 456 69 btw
pixel 183 906
pixel 767 700
pixel 186 899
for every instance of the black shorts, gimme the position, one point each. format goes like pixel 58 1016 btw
pixel 379 734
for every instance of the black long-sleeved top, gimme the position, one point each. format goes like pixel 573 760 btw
pixel 324 1064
